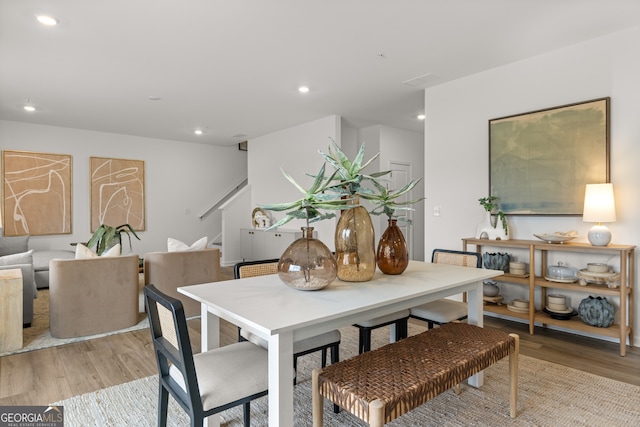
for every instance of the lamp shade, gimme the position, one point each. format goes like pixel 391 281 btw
pixel 599 205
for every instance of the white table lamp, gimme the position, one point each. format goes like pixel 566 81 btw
pixel 599 207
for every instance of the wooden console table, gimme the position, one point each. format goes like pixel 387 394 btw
pixel 626 254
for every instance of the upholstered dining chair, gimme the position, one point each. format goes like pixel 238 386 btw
pixel 446 310
pixel 208 382
pixel 323 342
pixel 399 320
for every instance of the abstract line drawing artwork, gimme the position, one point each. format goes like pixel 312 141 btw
pixel 117 193
pixel 36 193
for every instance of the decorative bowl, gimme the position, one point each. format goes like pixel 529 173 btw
pixel 490 289
pixel 556 307
pixel 556 299
pixel 521 303
pixel 597 267
pixel 555 237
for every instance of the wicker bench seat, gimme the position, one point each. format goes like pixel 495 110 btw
pixel 381 385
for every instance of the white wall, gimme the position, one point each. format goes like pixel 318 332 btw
pixel 234 217
pixel 179 176
pixel 296 151
pixel 456 138
pixel 401 146
pixel 405 146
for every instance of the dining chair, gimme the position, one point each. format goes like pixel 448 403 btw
pixel 208 382
pixel 399 320
pixel 446 310
pixel 323 342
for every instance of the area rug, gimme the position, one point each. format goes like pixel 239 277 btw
pixel 38 336
pixel 549 395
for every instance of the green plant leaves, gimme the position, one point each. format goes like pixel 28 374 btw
pixel 106 236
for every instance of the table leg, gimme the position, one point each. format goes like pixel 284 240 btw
pixel 209 339
pixel 475 317
pixel 280 380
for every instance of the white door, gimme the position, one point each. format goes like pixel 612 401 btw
pixel 401 175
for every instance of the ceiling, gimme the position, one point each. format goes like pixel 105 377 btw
pixel 232 68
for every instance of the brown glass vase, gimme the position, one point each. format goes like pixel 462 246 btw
pixel 393 254
pixel 355 245
pixel 307 264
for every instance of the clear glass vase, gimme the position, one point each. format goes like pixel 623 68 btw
pixel 307 264
pixel 393 254
pixel 355 245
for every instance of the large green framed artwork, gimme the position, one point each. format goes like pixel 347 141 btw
pixel 36 193
pixel 117 193
pixel 541 161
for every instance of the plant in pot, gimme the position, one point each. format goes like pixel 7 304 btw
pixel 105 237
pixel 392 255
pixel 354 236
pixel 308 264
pixel 489 228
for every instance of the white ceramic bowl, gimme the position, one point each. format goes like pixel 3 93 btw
pixel 556 307
pixel 556 299
pixel 521 303
pixel 596 267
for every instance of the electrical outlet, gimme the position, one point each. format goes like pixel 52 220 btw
pixel 436 210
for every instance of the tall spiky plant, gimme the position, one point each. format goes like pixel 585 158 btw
pixel 309 207
pixel 349 174
pixel 385 200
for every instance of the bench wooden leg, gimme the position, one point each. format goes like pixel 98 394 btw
pixel 316 399
pixel 513 378
pixel 376 413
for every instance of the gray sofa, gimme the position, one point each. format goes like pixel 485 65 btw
pixel 14 253
pixel 41 265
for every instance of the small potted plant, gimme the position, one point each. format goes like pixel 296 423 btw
pixel 392 255
pixel 489 228
pixel 308 264
pixel 105 237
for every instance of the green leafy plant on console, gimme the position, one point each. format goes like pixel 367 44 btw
pixel 105 237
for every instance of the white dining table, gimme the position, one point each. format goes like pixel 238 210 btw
pixel 268 308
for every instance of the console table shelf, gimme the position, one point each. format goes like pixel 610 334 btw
pixel 626 254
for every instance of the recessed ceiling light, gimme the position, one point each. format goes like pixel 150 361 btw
pixel 29 108
pixel 421 117
pixel 198 132
pixel 303 89
pixel 47 20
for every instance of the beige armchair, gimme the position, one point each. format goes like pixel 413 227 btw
pixel 93 296
pixel 167 271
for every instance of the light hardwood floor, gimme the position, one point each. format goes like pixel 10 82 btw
pixel 49 375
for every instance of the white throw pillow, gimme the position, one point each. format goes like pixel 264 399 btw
pixel 83 252
pixel 20 258
pixel 174 245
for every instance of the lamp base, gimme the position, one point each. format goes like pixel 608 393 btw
pixel 599 235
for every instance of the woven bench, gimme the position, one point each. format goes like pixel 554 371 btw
pixel 381 385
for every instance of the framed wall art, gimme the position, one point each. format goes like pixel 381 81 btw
pixel 117 193
pixel 36 193
pixel 541 161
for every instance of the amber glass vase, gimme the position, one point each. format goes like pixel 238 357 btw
pixel 355 245
pixel 307 264
pixel 393 254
